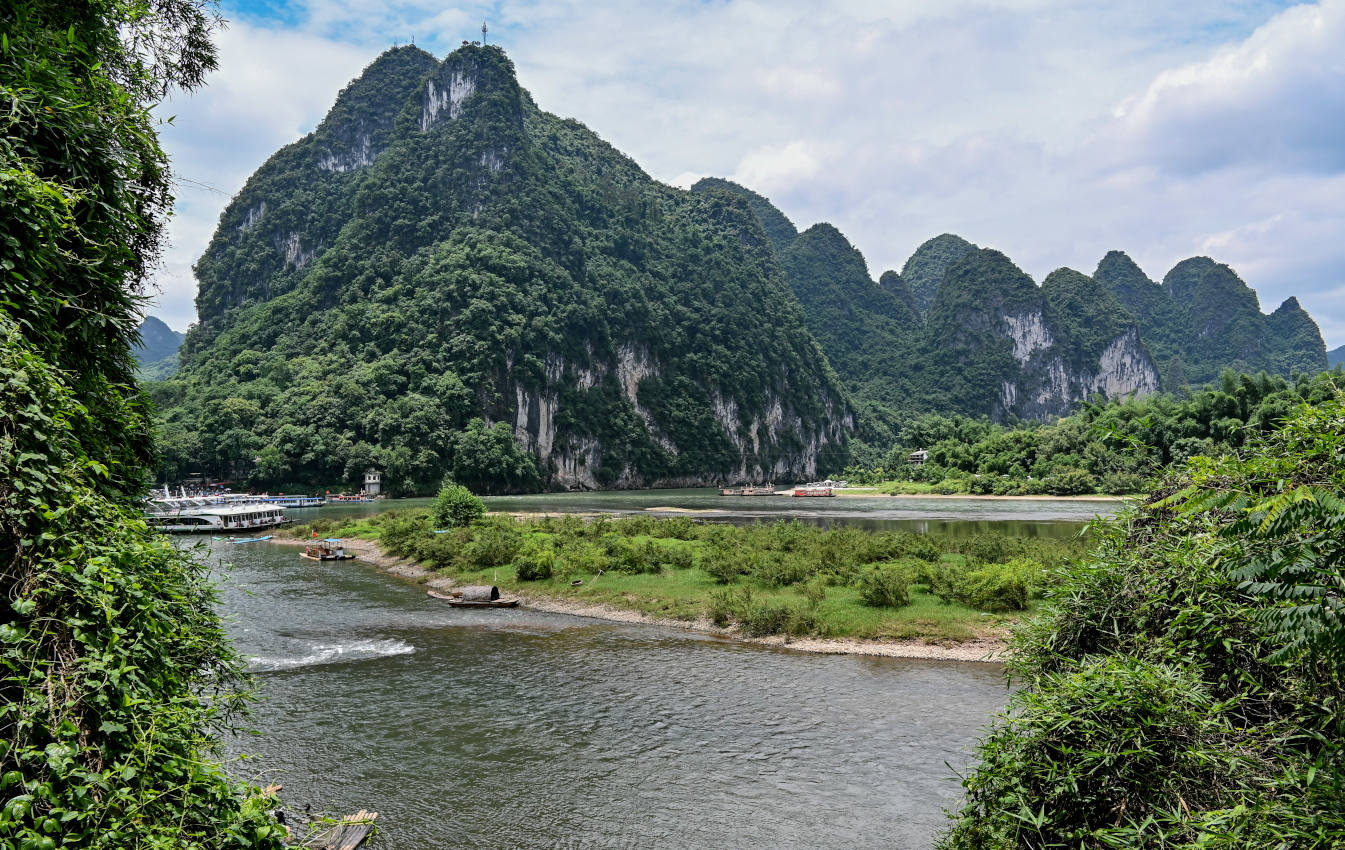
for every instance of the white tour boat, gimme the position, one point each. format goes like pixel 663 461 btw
pixel 213 519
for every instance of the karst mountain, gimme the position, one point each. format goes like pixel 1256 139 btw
pixel 442 279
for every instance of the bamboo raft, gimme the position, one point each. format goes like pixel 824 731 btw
pixel 347 834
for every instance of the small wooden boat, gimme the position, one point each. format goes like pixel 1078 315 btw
pixel 327 550
pixel 477 596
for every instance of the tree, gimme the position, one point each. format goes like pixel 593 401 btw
pixel 116 676
pixel 456 506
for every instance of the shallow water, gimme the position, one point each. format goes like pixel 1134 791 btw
pixel 520 729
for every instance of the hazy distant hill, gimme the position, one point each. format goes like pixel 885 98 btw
pixel 444 279
pixel 1336 356
pixel 157 354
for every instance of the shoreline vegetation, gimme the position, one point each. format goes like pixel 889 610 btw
pixel 1196 655
pixel 837 591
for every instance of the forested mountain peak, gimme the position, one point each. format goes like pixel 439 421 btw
pixel 156 349
pixel 359 125
pixel 779 229
pixel 500 296
pixel 925 269
pixel 1123 277
pixel 1184 279
pixel 897 288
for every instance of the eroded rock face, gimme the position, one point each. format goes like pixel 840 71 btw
pixel 446 97
pixel 758 436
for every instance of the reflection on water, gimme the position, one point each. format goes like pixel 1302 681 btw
pixel 519 729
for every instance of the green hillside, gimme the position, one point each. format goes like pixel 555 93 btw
pixel 445 280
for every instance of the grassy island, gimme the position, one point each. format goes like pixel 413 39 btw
pixel 780 578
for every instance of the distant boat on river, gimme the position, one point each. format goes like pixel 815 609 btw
pixel 768 490
pixel 813 492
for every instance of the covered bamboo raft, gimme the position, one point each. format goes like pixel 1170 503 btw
pixel 475 596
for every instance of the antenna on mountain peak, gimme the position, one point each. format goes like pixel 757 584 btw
pixel 484 30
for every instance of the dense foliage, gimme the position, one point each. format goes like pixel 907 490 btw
pixel 1113 447
pixel 115 675
pixel 456 506
pixel 483 290
pixel 1184 688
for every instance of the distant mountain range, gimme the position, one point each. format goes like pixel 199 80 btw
pixel 444 279
pixel 962 329
pixel 156 354
pixel 1336 356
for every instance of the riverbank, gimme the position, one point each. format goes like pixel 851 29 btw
pixel 872 492
pixel 985 646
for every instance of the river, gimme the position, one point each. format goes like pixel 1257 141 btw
pixel 521 729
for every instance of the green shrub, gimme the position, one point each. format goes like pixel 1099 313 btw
pixel 727 565
pixel 535 565
pixel 1090 753
pixel 1069 482
pixel 397 532
pixel 884 587
pixel 493 545
pixel 815 590
pixel 456 506
pixel 761 618
pixel 785 569
pixel 993 587
pixel 725 605
pixel 583 557
pixel 677 558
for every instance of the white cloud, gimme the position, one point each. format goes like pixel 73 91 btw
pixel 1276 100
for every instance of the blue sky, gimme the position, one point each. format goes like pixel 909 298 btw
pixel 1053 130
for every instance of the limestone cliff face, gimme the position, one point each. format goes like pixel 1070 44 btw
pixel 1015 350
pixel 771 442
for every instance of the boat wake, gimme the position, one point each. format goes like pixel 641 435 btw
pixel 331 653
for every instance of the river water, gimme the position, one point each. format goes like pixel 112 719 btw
pixel 521 729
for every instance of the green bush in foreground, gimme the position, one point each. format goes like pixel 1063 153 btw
pixel 884 587
pixel 1185 686
pixel 456 506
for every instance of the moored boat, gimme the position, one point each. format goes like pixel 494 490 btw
pixel 476 596
pixel 215 518
pixel 329 549
pixel 292 501
pixel 813 492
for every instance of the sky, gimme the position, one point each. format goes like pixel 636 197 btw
pixel 1052 130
